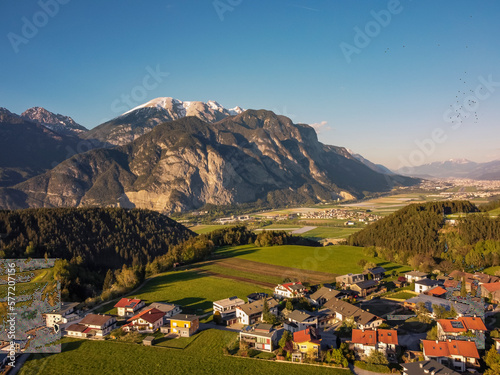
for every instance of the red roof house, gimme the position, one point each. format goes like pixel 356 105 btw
pixel 128 307
pixel 458 353
pixel 367 340
pixel 147 321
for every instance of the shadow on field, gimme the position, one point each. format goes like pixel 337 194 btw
pixel 231 252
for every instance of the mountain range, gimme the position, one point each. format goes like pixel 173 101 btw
pixel 168 155
pixel 455 168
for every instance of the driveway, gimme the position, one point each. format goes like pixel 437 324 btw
pixel 358 371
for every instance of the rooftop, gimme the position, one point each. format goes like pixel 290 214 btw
pixel 427 282
pixel 185 317
pixel 426 368
pixel 231 301
pixel 371 337
pixel 150 315
pixel 128 303
pixel 96 319
pixel 450 348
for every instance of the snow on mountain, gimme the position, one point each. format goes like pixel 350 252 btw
pixel 56 122
pixel 178 108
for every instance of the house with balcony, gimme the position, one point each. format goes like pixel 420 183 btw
pixel 260 337
pixel 225 310
pixel 413 276
pixel 306 343
pixel 93 325
pixel 456 354
pixel 290 290
pixel 364 341
pixel 169 309
pixel 128 307
pixel 147 321
pixel 462 328
pixel 351 278
pixel 299 320
pixel 423 285
pixel 184 325
pixel 250 313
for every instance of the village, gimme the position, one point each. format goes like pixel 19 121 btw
pixel 347 320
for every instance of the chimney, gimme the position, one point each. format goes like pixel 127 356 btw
pixel 449 340
pixel 437 342
pixel 421 364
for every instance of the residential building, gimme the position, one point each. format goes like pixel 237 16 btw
pixel 323 295
pixel 461 309
pixel 365 288
pixel 464 328
pixel 491 291
pixel 250 313
pixel 127 307
pixel 349 279
pixel 146 321
pixel 365 341
pixel 65 315
pixel 376 273
pixel 424 285
pixel 169 309
pixel 306 343
pixel 455 354
pixel 430 367
pixel 260 337
pixel 93 325
pixel 415 276
pixel 290 290
pixel 298 320
pixel 342 310
pixel 226 309
pixel 437 292
pixel 253 297
pixel 184 325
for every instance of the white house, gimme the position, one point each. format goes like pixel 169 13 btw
pixel 367 340
pixel 97 325
pixel 226 309
pixel 146 321
pixel 424 285
pixel 250 313
pixel 415 276
pixel 290 290
pixel 128 307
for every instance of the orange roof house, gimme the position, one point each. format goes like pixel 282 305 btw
pixel 128 306
pixel 367 340
pixel 461 354
pixel 147 321
pixel 436 292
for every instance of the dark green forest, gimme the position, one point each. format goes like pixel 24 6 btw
pixel 418 235
pixel 112 250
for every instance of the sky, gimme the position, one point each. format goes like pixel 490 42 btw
pixel 401 82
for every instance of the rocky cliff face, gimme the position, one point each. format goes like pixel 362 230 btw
pixel 184 164
pixel 56 122
pixel 28 148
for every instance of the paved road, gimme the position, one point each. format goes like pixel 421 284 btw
pixel 19 363
pixel 303 230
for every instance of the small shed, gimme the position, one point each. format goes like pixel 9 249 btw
pixel 148 341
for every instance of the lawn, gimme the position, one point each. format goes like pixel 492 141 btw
pixel 491 270
pixel 331 259
pixel 246 274
pixel 193 291
pixel 494 212
pixel 202 229
pixel 203 356
pixel 330 232
pixel 401 295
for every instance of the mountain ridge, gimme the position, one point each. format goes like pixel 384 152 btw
pixel 186 163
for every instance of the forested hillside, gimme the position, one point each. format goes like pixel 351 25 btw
pixel 90 240
pixel 418 235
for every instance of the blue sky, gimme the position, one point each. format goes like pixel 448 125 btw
pixel 386 101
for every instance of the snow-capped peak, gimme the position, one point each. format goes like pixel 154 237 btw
pixel 176 108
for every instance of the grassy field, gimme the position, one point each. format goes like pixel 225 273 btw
pixel 331 259
pixel 491 270
pixel 402 295
pixel 202 229
pixel 203 356
pixel 494 212
pixel 330 232
pixel 192 290
pixel 246 274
